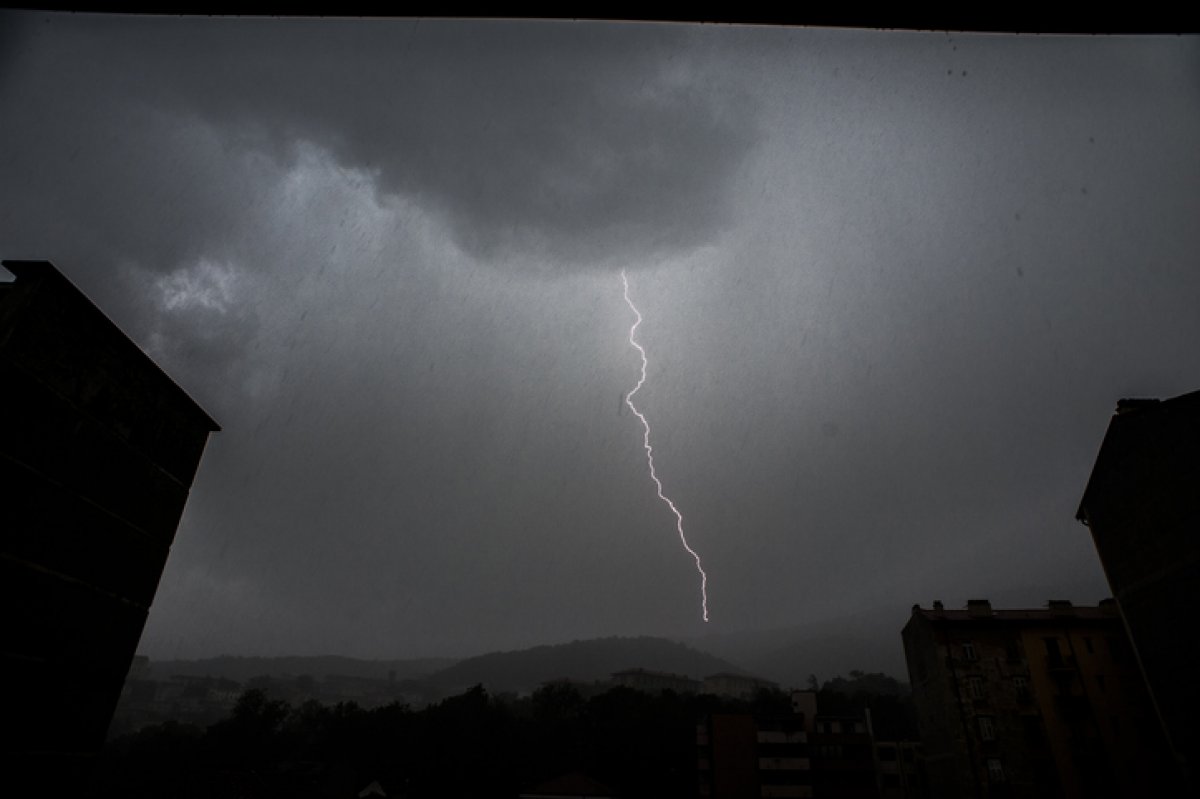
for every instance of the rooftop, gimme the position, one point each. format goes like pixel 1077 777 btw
pixel 1146 438
pixel 978 610
pixel 37 282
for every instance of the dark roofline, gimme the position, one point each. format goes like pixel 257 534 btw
pixel 1057 613
pixel 47 272
pixel 1125 410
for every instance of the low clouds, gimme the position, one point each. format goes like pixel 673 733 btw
pixel 202 317
pixel 207 285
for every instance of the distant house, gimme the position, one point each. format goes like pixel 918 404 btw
pixel 654 682
pixel 1041 702
pixel 98 454
pixel 1139 506
pixel 801 754
pixel 737 686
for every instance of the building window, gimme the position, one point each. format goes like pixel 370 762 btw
pixel 1035 735
pixel 987 730
pixel 969 651
pixel 1053 653
pixel 1022 687
pixel 975 687
pixel 995 770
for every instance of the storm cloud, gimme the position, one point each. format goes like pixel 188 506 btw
pixel 541 146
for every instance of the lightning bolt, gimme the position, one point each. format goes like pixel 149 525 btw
pixel 650 449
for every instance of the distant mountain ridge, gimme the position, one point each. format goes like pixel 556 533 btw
pixel 587 661
pixel 318 666
pixel 786 656
pixel 520 670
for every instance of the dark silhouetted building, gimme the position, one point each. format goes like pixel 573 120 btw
pixel 738 686
pixel 1033 703
pixel 1138 505
pixel 801 754
pixel 901 766
pixel 842 749
pixel 97 456
pixel 654 682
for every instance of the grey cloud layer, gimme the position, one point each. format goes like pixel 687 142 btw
pixel 564 143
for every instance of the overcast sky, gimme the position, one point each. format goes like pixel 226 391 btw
pixel 893 285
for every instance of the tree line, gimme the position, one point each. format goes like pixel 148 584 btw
pixel 473 744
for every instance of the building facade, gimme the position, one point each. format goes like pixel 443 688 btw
pixel 736 686
pixel 1032 703
pixel 98 454
pixel 801 754
pixel 901 767
pixel 1138 507
pixel 654 682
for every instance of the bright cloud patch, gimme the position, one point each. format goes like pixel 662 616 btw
pixel 204 285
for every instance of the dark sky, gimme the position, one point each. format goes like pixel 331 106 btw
pixel 893 285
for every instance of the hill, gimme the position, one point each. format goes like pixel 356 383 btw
pixel 864 642
pixel 588 661
pixel 244 668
